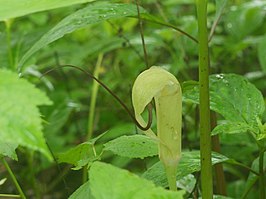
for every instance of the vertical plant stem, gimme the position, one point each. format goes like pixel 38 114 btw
pixel 22 195
pixel 261 177
pixel 94 93
pixel 8 24
pixel 205 136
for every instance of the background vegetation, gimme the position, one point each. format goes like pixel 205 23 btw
pixel 103 37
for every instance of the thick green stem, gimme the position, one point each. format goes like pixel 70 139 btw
pixel 205 129
pixel 22 195
pixel 261 177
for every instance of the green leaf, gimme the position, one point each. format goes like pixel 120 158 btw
pixel 79 156
pixel 231 128
pixel 82 192
pixel 20 119
pixel 231 95
pixel 93 13
pixel 262 53
pixel 8 149
pixel 135 146
pixel 14 8
pixel 189 163
pixel 107 181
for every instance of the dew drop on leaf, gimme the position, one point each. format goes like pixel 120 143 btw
pixel 219 76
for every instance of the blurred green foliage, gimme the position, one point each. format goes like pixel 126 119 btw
pixel 237 46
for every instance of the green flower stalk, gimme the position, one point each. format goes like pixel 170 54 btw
pixel 160 85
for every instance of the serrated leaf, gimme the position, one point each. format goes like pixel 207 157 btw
pixel 189 163
pixel 232 128
pixel 93 13
pixel 231 95
pixel 262 53
pixel 20 119
pixel 8 149
pixel 107 181
pixel 135 146
pixel 79 156
pixel 82 192
pixel 14 8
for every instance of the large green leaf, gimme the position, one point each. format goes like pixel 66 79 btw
pixel 135 146
pixel 14 8
pixel 189 163
pixel 231 95
pixel 107 181
pixel 20 119
pixel 93 13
